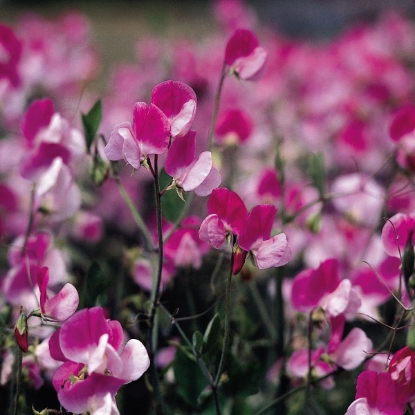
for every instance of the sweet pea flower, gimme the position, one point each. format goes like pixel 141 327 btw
pixel 402 371
pixel 10 53
pixel 233 126
pixel 322 287
pixel 149 134
pixel 62 305
pixel 245 58
pixel 376 394
pixel 177 101
pixel 227 215
pixel 255 238
pixel 190 173
pixel 396 232
pixel 96 363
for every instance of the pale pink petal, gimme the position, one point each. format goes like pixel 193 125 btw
pixel 197 172
pixel 96 362
pixel 212 181
pixel 353 349
pixel 212 230
pixel 252 67
pixel 135 360
pixel 336 302
pixel 182 123
pixel 359 407
pixel 63 304
pixel 132 152
pixel 274 252
pixel 114 149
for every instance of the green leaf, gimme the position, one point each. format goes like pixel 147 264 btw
pixel 410 337
pixel 212 339
pixel 316 171
pixel 171 203
pixel 190 380
pixel 95 287
pixel 198 342
pixel 91 122
pixel 99 170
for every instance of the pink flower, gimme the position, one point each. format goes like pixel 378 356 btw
pixel 376 395
pixel 244 56
pixel 403 123
pixel 255 238
pixel 178 102
pixel 402 371
pixel 234 126
pixel 149 134
pixel 227 215
pixel 96 363
pixel 62 305
pixel 10 53
pixel 396 232
pixel 323 287
pixel 190 173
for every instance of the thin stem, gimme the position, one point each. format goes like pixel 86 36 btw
pixel 262 310
pixel 31 219
pixel 136 214
pixel 216 105
pixel 18 371
pixel 310 368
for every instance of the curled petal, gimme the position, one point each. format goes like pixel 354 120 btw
pixel 212 181
pixel 212 230
pixel 273 252
pixel 135 360
pixel 63 304
pixel 114 149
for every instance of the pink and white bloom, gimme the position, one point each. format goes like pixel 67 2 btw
pixel 234 126
pixel 376 394
pixel 62 305
pixel 255 238
pixel 148 134
pixel 96 362
pixel 190 173
pixel 396 232
pixel 178 102
pixel 322 287
pixel 227 215
pixel 245 58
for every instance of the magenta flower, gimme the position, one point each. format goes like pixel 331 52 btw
pixel 178 102
pixel 402 371
pixel 227 215
pixel 96 363
pixel 234 126
pixel 396 232
pixel 376 394
pixel 149 134
pixel 244 56
pixel 10 53
pixel 190 173
pixel 323 288
pixel 62 305
pixel 403 123
pixel 255 238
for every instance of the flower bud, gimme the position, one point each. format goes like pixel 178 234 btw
pixel 239 256
pixel 21 332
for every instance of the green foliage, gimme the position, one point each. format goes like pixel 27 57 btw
pixel 316 171
pixel 91 121
pixel 95 287
pixel 212 339
pixel 172 204
pixel 190 380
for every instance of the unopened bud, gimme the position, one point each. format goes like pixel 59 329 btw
pixel 21 332
pixel 99 170
pixel 239 256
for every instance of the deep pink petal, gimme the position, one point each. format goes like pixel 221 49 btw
pixel 151 128
pixel 116 334
pixel 180 155
pixel 43 280
pixel 301 299
pixel 55 348
pixel 396 232
pixel 403 123
pixel 234 121
pixel 230 209
pixel 37 116
pixel 80 334
pixel 258 227
pixel 241 44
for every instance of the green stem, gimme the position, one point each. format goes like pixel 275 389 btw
pixel 216 105
pixel 136 214
pixel 18 371
pixel 31 219
pixel 259 302
pixel 310 368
